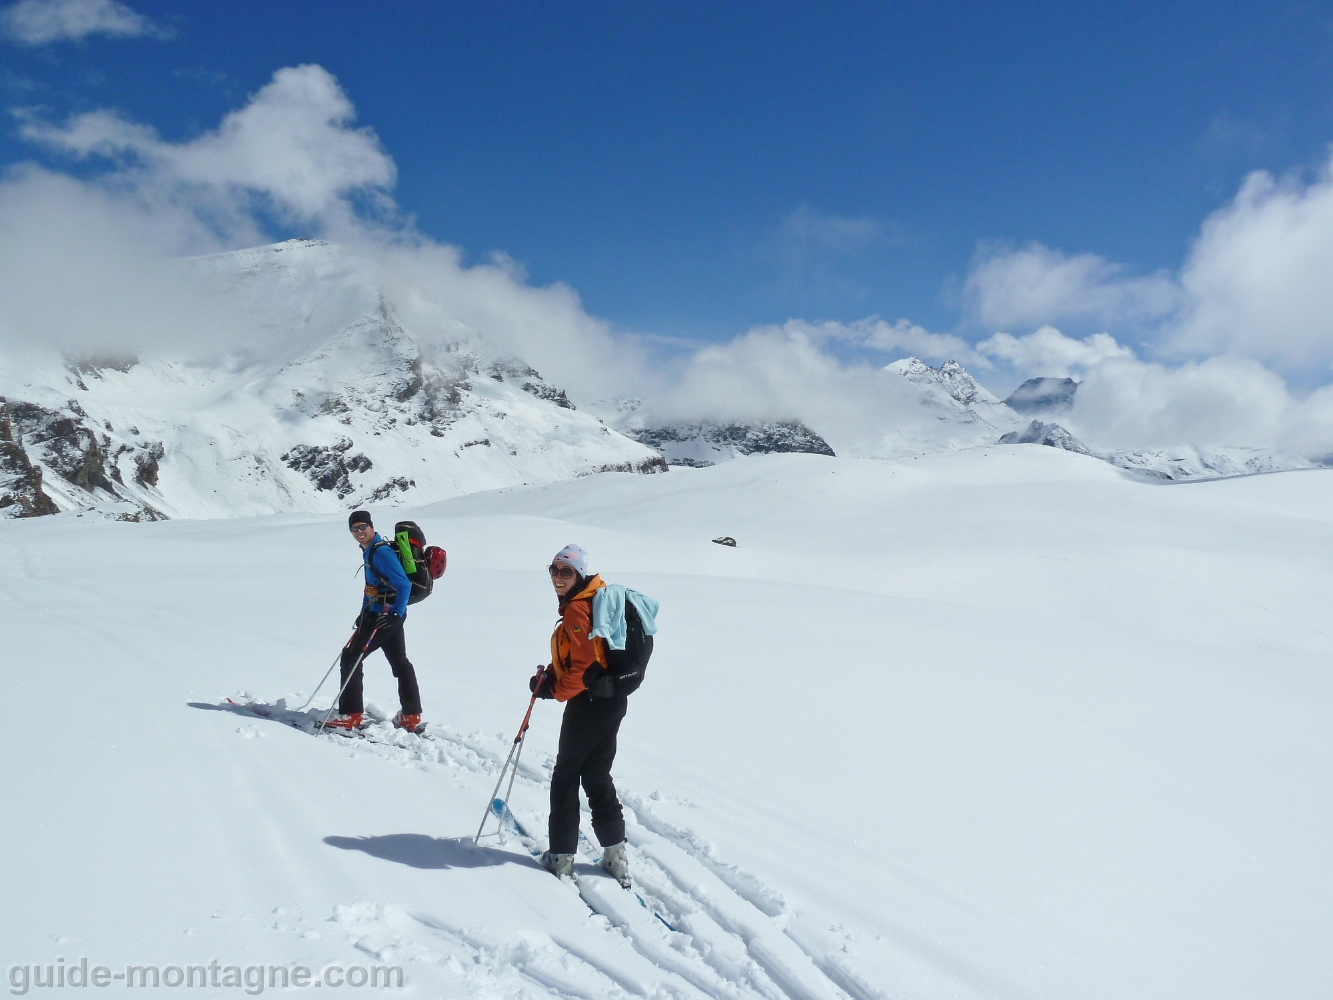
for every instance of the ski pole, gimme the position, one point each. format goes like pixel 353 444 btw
pixel 512 775
pixel 326 675
pixel 365 650
pixel 517 745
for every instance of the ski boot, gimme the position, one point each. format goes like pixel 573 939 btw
pixel 615 862
pixel 350 721
pixel 559 865
pixel 412 723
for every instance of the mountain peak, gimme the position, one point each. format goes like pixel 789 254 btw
pixel 1043 395
pixel 956 380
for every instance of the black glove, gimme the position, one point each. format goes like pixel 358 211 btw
pixel 542 683
pixel 599 682
pixel 388 621
pixel 359 619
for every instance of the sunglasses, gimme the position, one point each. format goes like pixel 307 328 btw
pixel 354 529
pixel 564 572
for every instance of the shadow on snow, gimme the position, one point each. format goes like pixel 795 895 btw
pixel 417 850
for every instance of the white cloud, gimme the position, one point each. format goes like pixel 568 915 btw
pixel 293 146
pixel 808 235
pixel 1047 351
pixel 1255 282
pixel 84 256
pixel 1038 285
pixel 1259 279
pixel 896 339
pixel 40 22
pixel 1126 402
pixel 823 253
pixel 786 373
pixel 1221 401
pixel 84 271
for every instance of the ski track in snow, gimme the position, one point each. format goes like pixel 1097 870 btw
pixel 699 929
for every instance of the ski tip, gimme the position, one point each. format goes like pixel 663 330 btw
pixel 498 806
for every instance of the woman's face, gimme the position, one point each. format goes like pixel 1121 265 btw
pixel 562 577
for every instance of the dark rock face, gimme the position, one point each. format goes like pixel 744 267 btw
pixel 646 467
pixel 95 364
pixel 530 381
pixel 20 481
pixel 1050 435
pixel 145 464
pixel 329 467
pixel 80 451
pixel 381 493
pixel 548 392
pixel 1043 395
pixel 65 443
pixel 773 437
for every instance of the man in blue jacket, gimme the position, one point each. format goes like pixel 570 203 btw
pixel 379 626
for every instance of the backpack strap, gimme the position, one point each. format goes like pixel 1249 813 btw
pixel 370 563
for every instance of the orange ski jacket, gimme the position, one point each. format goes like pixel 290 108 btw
pixel 573 650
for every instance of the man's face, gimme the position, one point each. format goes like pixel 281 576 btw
pixel 363 533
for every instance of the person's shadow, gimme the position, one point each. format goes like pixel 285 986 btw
pixel 416 850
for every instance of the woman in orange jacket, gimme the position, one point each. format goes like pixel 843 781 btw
pixel 577 676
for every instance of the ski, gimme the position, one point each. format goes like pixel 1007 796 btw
pixel 505 815
pixel 249 707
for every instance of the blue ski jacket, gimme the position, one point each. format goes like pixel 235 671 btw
pixel 385 574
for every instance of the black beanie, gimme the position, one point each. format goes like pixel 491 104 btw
pixel 359 517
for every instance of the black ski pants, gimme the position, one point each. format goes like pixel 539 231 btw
pixel 587 750
pixel 395 651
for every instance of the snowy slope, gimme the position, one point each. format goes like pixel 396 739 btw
pixel 331 403
pixel 907 408
pixel 1000 723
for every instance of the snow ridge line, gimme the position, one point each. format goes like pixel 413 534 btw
pixel 711 927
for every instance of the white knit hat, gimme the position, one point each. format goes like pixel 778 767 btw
pixel 576 556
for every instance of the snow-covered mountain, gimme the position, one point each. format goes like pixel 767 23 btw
pixel 1050 435
pixel 341 406
pixel 908 408
pixel 701 443
pixel 952 377
pixel 1043 395
pixel 1181 463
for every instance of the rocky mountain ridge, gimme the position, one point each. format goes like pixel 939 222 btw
pixel 358 411
pixel 706 443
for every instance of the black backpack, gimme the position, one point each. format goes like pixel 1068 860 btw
pixel 423 564
pixel 627 666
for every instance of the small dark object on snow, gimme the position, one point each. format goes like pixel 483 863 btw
pixel 726 540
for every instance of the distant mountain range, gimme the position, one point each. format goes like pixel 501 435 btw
pixel 354 411
pixel 344 406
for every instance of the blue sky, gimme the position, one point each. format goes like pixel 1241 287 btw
pixel 696 169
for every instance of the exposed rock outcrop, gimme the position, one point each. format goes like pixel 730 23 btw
pixel 328 466
pixel 21 492
pixel 1050 435
pixel 1043 395
pixel 702 444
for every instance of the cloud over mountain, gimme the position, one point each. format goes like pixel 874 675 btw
pixel 87 251
pixel 1255 282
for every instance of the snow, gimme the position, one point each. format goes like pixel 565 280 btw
pixel 320 363
pixel 1005 722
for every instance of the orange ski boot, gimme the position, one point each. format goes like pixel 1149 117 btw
pixel 349 721
pixel 412 723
